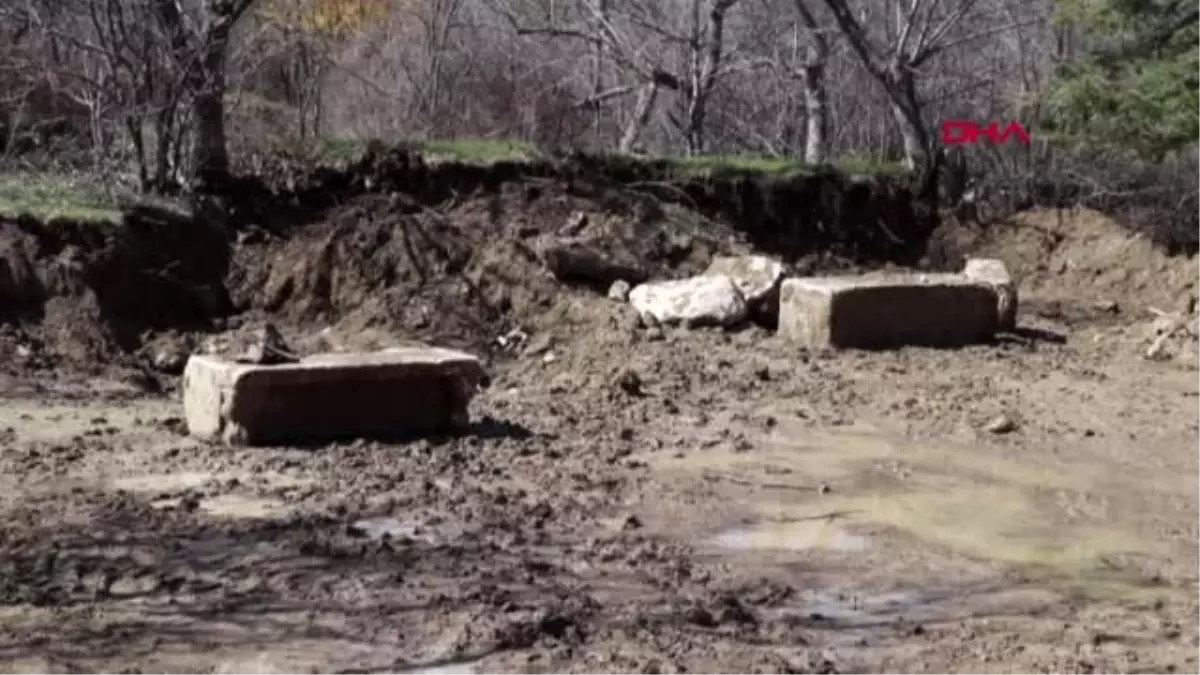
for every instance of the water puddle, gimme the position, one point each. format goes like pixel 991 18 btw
pixel 386 527
pixel 852 610
pixel 795 536
pixel 235 506
pixel 163 482
pixel 455 669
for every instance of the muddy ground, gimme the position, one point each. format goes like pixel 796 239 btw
pixel 628 499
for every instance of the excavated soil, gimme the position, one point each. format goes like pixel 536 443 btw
pixel 629 499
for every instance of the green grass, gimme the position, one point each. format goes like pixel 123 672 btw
pixel 731 166
pixel 478 150
pixel 486 151
pixel 46 196
pixel 332 149
pixel 321 150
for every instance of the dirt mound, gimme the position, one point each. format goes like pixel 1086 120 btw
pixel 1081 258
pixel 463 273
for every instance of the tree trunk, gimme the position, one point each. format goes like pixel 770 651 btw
pixel 210 158
pixel 816 97
pixel 641 116
pixel 694 136
pixel 906 110
pixel 817 113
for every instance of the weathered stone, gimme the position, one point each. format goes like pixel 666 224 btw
pixel 396 393
pixel 992 271
pixel 887 311
pixel 756 276
pixel 698 301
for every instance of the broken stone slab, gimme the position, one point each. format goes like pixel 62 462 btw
pixel 401 392
pixel 993 271
pixel 875 312
pixel 757 277
pixel 698 301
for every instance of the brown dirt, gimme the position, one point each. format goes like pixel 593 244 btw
pixel 744 508
pixel 465 273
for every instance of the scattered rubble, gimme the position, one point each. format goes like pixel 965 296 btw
pixel 1173 333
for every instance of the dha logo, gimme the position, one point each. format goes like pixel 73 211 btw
pixel 966 132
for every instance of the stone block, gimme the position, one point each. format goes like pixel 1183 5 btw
pixel 993 271
pixel 401 392
pixel 876 312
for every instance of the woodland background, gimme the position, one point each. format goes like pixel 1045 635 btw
pixel 148 94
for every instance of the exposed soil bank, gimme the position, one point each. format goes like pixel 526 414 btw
pixel 447 251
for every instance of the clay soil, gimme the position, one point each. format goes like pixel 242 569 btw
pixel 629 499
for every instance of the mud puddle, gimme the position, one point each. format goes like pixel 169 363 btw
pixel 970 502
pixel 447 667
pixel 795 536
pixel 387 528
pixel 867 610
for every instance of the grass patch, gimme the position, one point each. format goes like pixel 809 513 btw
pixel 723 165
pixel 743 166
pixel 47 196
pixel 478 150
pixel 326 150
pixel 321 149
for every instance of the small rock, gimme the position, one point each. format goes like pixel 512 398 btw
pixel 632 523
pixel 628 382
pixel 549 358
pixel 1001 424
pixel 541 344
pixel 575 224
pixel 513 339
pixel 824 489
pixel 169 360
pixel 619 291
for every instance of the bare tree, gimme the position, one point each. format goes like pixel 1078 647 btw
pixel 141 68
pixel 644 40
pixel 915 32
pixel 816 97
pixel 199 47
